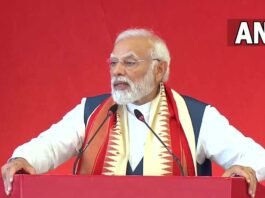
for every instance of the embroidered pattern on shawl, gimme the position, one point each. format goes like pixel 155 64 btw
pixel 110 156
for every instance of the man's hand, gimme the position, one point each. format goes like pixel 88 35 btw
pixel 246 172
pixel 11 168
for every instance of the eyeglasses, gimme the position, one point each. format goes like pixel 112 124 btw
pixel 127 62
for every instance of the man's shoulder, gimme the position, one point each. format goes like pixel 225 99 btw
pixel 92 102
pixel 98 97
pixel 193 101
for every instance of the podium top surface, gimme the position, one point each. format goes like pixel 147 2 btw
pixel 32 186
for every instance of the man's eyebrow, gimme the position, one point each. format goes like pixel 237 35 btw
pixel 127 55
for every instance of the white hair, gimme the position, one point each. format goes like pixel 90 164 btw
pixel 159 51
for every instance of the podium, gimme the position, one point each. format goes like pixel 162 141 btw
pixel 78 186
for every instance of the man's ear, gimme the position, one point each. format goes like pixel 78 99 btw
pixel 161 68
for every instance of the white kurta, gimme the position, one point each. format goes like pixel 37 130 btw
pixel 218 141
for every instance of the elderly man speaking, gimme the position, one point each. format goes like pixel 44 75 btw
pixel 185 133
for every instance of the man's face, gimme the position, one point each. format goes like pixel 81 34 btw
pixel 132 77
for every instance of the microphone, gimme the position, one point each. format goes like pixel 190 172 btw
pixel 140 117
pixel 111 111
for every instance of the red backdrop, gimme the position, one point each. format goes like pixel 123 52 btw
pixel 53 53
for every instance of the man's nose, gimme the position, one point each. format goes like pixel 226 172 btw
pixel 118 70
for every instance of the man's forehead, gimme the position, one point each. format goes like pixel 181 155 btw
pixel 136 47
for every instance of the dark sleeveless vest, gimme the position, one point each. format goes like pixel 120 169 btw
pixel 196 110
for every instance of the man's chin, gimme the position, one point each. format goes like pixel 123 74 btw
pixel 121 99
pixel 122 102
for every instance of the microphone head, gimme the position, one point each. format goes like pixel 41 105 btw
pixel 112 109
pixel 139 115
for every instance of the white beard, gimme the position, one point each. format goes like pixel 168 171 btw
pixel 137 91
